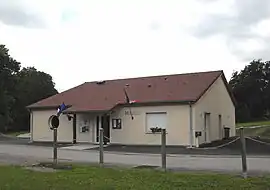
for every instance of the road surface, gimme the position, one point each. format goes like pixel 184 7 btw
pixel 19 154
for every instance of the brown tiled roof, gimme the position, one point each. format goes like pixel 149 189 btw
pixel 91 96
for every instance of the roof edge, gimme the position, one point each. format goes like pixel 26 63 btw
pixel 153 103
pixel 34 104
pixel 229 89
pixel 222 75
pixel 161 75
pixel 35 108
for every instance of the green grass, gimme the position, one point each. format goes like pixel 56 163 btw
pixel 94 178
pixel 15 134
pixel 263 132
pixel 257 123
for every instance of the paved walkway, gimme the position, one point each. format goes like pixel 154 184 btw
pixel 80 147
pixel 185 162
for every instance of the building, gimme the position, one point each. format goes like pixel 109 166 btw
pixel 181 103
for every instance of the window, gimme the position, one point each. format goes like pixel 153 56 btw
pixel 84 129
pixel 116 124
pixel 84 125
pixel 156 121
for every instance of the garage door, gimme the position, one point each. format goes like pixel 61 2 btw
pixel 154 120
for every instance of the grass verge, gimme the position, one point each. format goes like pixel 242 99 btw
pixel 95 178
pixel 15 134
pixel 250 124
pixel 263 132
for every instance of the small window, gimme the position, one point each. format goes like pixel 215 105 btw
pixel 116 124
pixel 84 129
pixel 156 121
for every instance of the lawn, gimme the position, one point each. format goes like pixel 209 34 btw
pixel 15 134
pixel 95 178
pixel 263 131
pixel 250 124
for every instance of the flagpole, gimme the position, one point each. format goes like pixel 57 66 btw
pixel 128 102
pixel 131 113
pixel 54 125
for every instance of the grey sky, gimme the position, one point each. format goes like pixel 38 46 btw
pixel 17 13
pixel 153 37
pixel 237 26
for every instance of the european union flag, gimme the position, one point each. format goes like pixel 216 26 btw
pixel 61 108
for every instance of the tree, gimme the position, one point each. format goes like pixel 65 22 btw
pixel 32 86
pixel 251 88
pixel 19 88
pixel 9 67
pixel 3 50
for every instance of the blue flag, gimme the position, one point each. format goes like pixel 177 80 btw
pixel 61 108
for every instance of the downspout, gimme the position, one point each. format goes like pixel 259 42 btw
pixel 190 125
pixel 31 125
pixel 74 126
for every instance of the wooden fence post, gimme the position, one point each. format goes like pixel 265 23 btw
pixel 163 149
pixel 101 151
pixel 243 152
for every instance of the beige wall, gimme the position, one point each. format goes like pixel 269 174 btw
pixel 134 131
pixel 42 132
pixel 90 120
pixel 215 101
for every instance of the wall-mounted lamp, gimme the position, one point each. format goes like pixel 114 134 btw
pixel 69 117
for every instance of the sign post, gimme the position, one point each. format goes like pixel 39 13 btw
pixel 54 124
pixel 55 146
pixel 163 149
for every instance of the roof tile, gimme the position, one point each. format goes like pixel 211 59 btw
pixel 91 96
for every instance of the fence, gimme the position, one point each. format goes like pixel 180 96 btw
pixel 163 149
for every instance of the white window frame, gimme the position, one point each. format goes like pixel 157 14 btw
pixel 147 128
pixel 116 123
pixel 84 129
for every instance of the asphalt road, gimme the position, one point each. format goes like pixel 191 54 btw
pixel 28 154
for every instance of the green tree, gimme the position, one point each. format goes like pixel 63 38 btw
pixel 251 88
pixel 19 88
pixel 32 86
pixel 3 50
pixel 9 67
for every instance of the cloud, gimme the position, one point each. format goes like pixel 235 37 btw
pixel 135 39
pixel 37 13
pixel 68 15
pixel 18 13
pixel 241 26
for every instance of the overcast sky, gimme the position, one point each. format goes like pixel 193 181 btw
pixel 84 40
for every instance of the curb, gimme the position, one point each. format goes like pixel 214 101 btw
pixel 179 155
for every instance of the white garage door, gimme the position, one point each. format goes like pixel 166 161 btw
pixel 154 120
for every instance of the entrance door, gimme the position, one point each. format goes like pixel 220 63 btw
pixel 105 124
pixel 220 126
pixel 97 128
pixel 207 127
